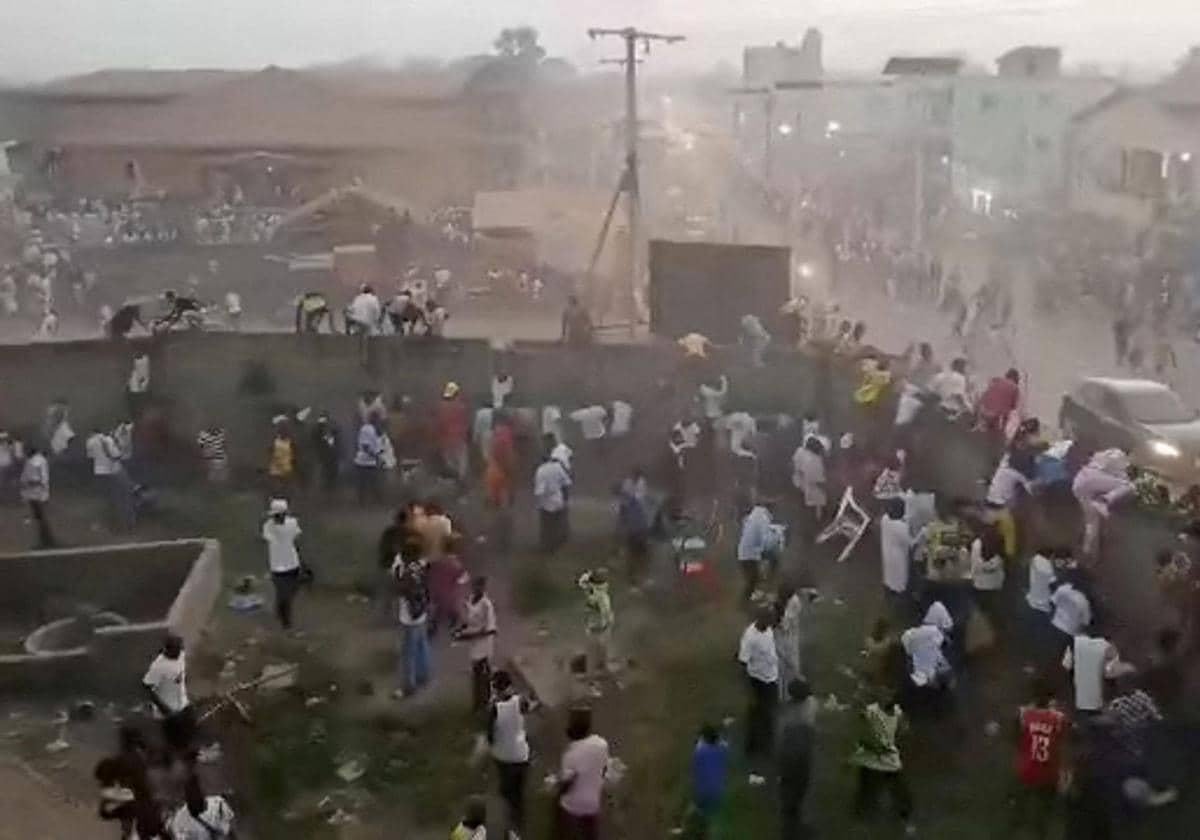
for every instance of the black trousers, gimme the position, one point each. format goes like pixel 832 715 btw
pixel 791 808
pixel 286 584
pixel 760 717
pixel 871 782
pixel 367 480
pixel 552 530
pixel 481 681
pixel 45 536
pixel 751 573
pixel 511 776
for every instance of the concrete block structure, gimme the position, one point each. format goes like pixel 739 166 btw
pixel 87 621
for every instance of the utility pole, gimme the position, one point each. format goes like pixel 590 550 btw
pixel 629 180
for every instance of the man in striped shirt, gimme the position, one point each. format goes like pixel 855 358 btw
pixel 211 443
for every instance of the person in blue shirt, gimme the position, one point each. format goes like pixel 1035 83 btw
pixel 710 766
pixel 759 540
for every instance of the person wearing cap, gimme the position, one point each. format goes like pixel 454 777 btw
pixel 794 737
pixel 327 445
pixel 600 617
pixel 452 428
pixel 280 532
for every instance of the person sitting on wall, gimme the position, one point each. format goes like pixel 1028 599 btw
pixel 181 309
pixel 311 309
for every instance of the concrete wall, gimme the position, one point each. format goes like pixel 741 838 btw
pixel 199 376
pixel 195 599
pixel 138 581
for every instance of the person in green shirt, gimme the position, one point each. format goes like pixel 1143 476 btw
pixel 877 758
pixel 600 617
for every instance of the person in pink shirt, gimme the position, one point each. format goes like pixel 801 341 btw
pixel 581 779
pixel 447 579
pixel 1100 484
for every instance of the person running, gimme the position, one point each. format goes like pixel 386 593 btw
pixel 280 532
pixel 479 628
pixel 877 758
pixel 550 485
pixel 710 771
pixel 794 740
pixel 1042 728
pixel 510 747
pixel 760 658
pixel 165 683
pixel 581 779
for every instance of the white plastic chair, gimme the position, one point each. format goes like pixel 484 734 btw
pixel 850 521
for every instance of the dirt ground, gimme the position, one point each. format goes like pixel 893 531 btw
pixel 676 635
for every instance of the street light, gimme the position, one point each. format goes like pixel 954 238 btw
pixel 785 129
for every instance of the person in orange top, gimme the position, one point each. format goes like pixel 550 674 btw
pixel 451 429
pixel 501 462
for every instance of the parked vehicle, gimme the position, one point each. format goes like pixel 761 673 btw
pixel 1147 419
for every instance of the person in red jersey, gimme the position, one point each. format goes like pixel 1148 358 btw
pixel 1043 728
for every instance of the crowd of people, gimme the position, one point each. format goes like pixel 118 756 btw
pixel 959 574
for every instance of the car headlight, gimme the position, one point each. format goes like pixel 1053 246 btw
pixel 1164 449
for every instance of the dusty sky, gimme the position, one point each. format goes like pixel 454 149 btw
pixel 46 38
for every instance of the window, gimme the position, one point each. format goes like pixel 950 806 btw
pixel 988 102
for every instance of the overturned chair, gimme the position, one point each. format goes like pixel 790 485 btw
pixel 850 521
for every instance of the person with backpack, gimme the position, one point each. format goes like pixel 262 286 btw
pixel 413 614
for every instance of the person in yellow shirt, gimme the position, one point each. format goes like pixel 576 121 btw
pixel 474 822
pixel 281 457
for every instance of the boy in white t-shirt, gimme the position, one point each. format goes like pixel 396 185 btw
pixel 166 684
pixel 280 532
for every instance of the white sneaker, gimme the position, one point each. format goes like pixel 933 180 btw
pixel 398 694
pixel 755 780
pixel 910 830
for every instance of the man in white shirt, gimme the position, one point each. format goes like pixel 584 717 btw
pixel 621 423
pixel 165 683
pixel 1072 611
pixel 479 628
pixel 760 657
pixel 951 388
pixel 712 398
pixel 1041 578
pixel 510 747
pixel 364 313
pixel 550 485
pixel 102 449
pixel 591 421
pixel 924 646
pixel 581 776
pixel 368 460
pixel 1089 659
pixel 35 491
pixel 280 532
pixel 895 547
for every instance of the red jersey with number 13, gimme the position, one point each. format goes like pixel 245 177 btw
pixel 1041 745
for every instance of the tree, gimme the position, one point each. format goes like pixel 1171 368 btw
pixel 520 42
